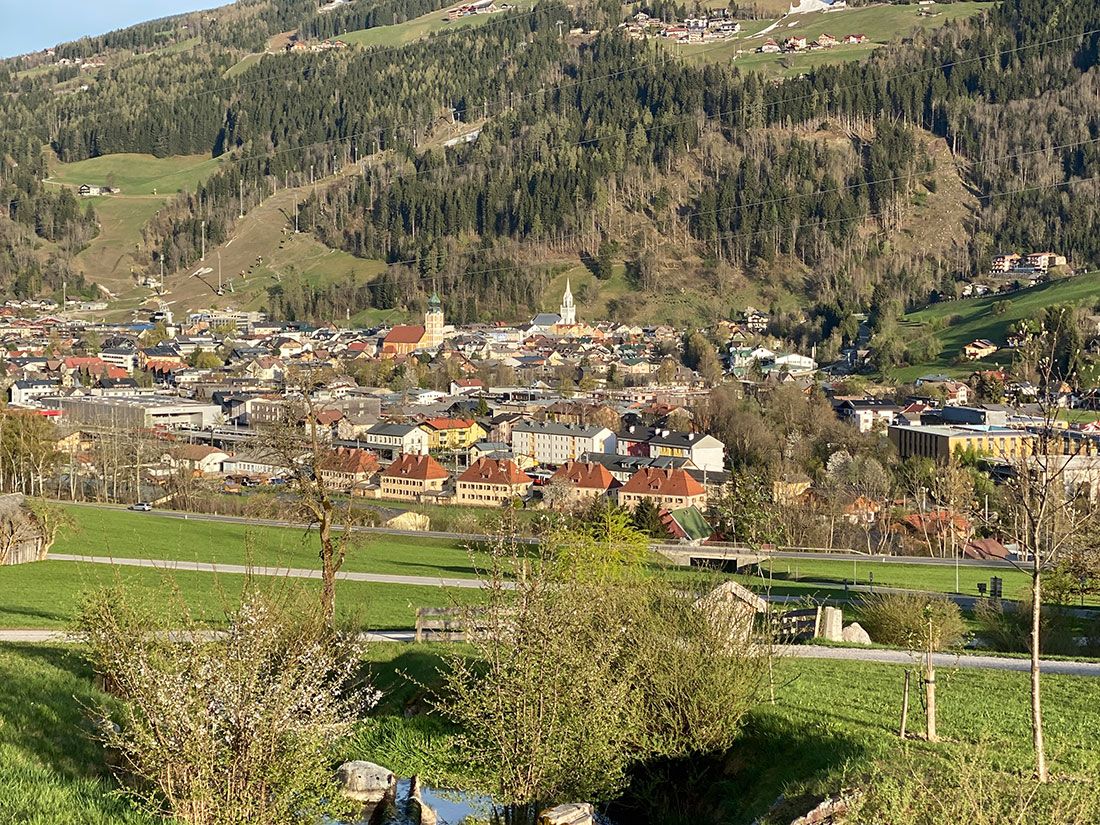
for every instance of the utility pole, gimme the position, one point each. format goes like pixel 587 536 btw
pixel 295 213
pixel 219 272
pixel 242 197
pixel 203 256
pixel 560 24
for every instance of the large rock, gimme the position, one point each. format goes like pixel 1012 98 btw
pixel 365 781
pixel 832 624
pixel 417 811
pixel 573 813
pixel 856 635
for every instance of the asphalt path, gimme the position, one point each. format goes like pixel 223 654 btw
pixel 699 551
pixel 850 654
pixel 289 572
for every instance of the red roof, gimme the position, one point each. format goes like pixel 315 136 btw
pixel 405 335
pixel 419 467
pixel 652 482
pixel 494 471
pixel 586 476
pixel 350 460
pixel 449 423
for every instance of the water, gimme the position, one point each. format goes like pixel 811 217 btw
pixel 451 807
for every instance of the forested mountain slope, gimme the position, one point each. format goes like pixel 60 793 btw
pixel 812 192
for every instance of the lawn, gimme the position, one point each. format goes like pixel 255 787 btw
pixel 47 594
pixel 136 174
pixel 420 27
pixel 882 24
pixel 125 534
pixel 973 318
pixel 911 576
pixel 832 722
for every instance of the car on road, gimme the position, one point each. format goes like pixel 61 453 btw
pixel 143 506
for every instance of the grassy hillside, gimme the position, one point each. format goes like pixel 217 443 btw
pixel 135 174
pixel 419 27
pixel 969 319
pixel 882 24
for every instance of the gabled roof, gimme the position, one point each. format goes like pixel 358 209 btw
pixel 653 482
pixel 493 471
pixel 405 335
pixel 449 423
pixel 586 476
pixel 419 467
pixel 354 461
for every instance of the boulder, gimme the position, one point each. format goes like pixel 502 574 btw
pixel 573 813
pixel 417 811
pixel 365 781
pixel 856 635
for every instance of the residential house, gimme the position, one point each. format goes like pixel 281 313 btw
pixel 584 481
pixel 854 39
pixel 452 433
pixel 411 477
pixel 199 459
pixel 346 467
pixel 867 414
pixel 668 489
pixel 770 47
pixel 703 451
pixel 981 348
pixel 489 482
pixel 394 439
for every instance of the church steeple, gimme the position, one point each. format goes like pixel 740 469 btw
pixel 433 323
pixel 568 312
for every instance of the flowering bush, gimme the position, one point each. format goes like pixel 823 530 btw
pixel 228 727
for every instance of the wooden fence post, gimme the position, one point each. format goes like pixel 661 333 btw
pixel 905 705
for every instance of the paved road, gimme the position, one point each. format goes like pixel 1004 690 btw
pixel 862 558
pixel 945 660
pixel 291 572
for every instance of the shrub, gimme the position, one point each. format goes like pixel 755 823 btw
pixel 241 728
pixel 1006 626
pixel 902 620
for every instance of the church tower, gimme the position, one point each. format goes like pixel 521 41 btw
pixel 568 312
pixel 433 323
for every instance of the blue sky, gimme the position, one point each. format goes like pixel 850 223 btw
pixel 28 26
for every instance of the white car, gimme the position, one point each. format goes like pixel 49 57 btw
pixel 143 506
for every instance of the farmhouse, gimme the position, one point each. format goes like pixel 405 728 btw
pixel 981 348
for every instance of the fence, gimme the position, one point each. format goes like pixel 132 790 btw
pixel 796 625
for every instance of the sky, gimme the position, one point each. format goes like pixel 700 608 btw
pixel 28 26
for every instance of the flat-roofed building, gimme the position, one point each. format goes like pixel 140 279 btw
pixel 141 412
pixel 940 442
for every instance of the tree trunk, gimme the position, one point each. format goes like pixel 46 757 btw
pixel 1036 697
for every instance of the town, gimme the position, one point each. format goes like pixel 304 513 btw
pixel 553 414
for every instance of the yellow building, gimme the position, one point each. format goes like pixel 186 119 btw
pixel 452 433
pixel 941 442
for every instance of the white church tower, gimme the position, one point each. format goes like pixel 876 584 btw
pixel 568 312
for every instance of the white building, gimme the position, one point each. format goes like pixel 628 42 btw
pixel 548 442
pixel 568 312
pixel 394 439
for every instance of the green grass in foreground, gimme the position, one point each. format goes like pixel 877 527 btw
pixel 47 594
pixel 831 721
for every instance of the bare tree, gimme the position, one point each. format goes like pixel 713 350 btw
pixel 301 443
pixel 1046 514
